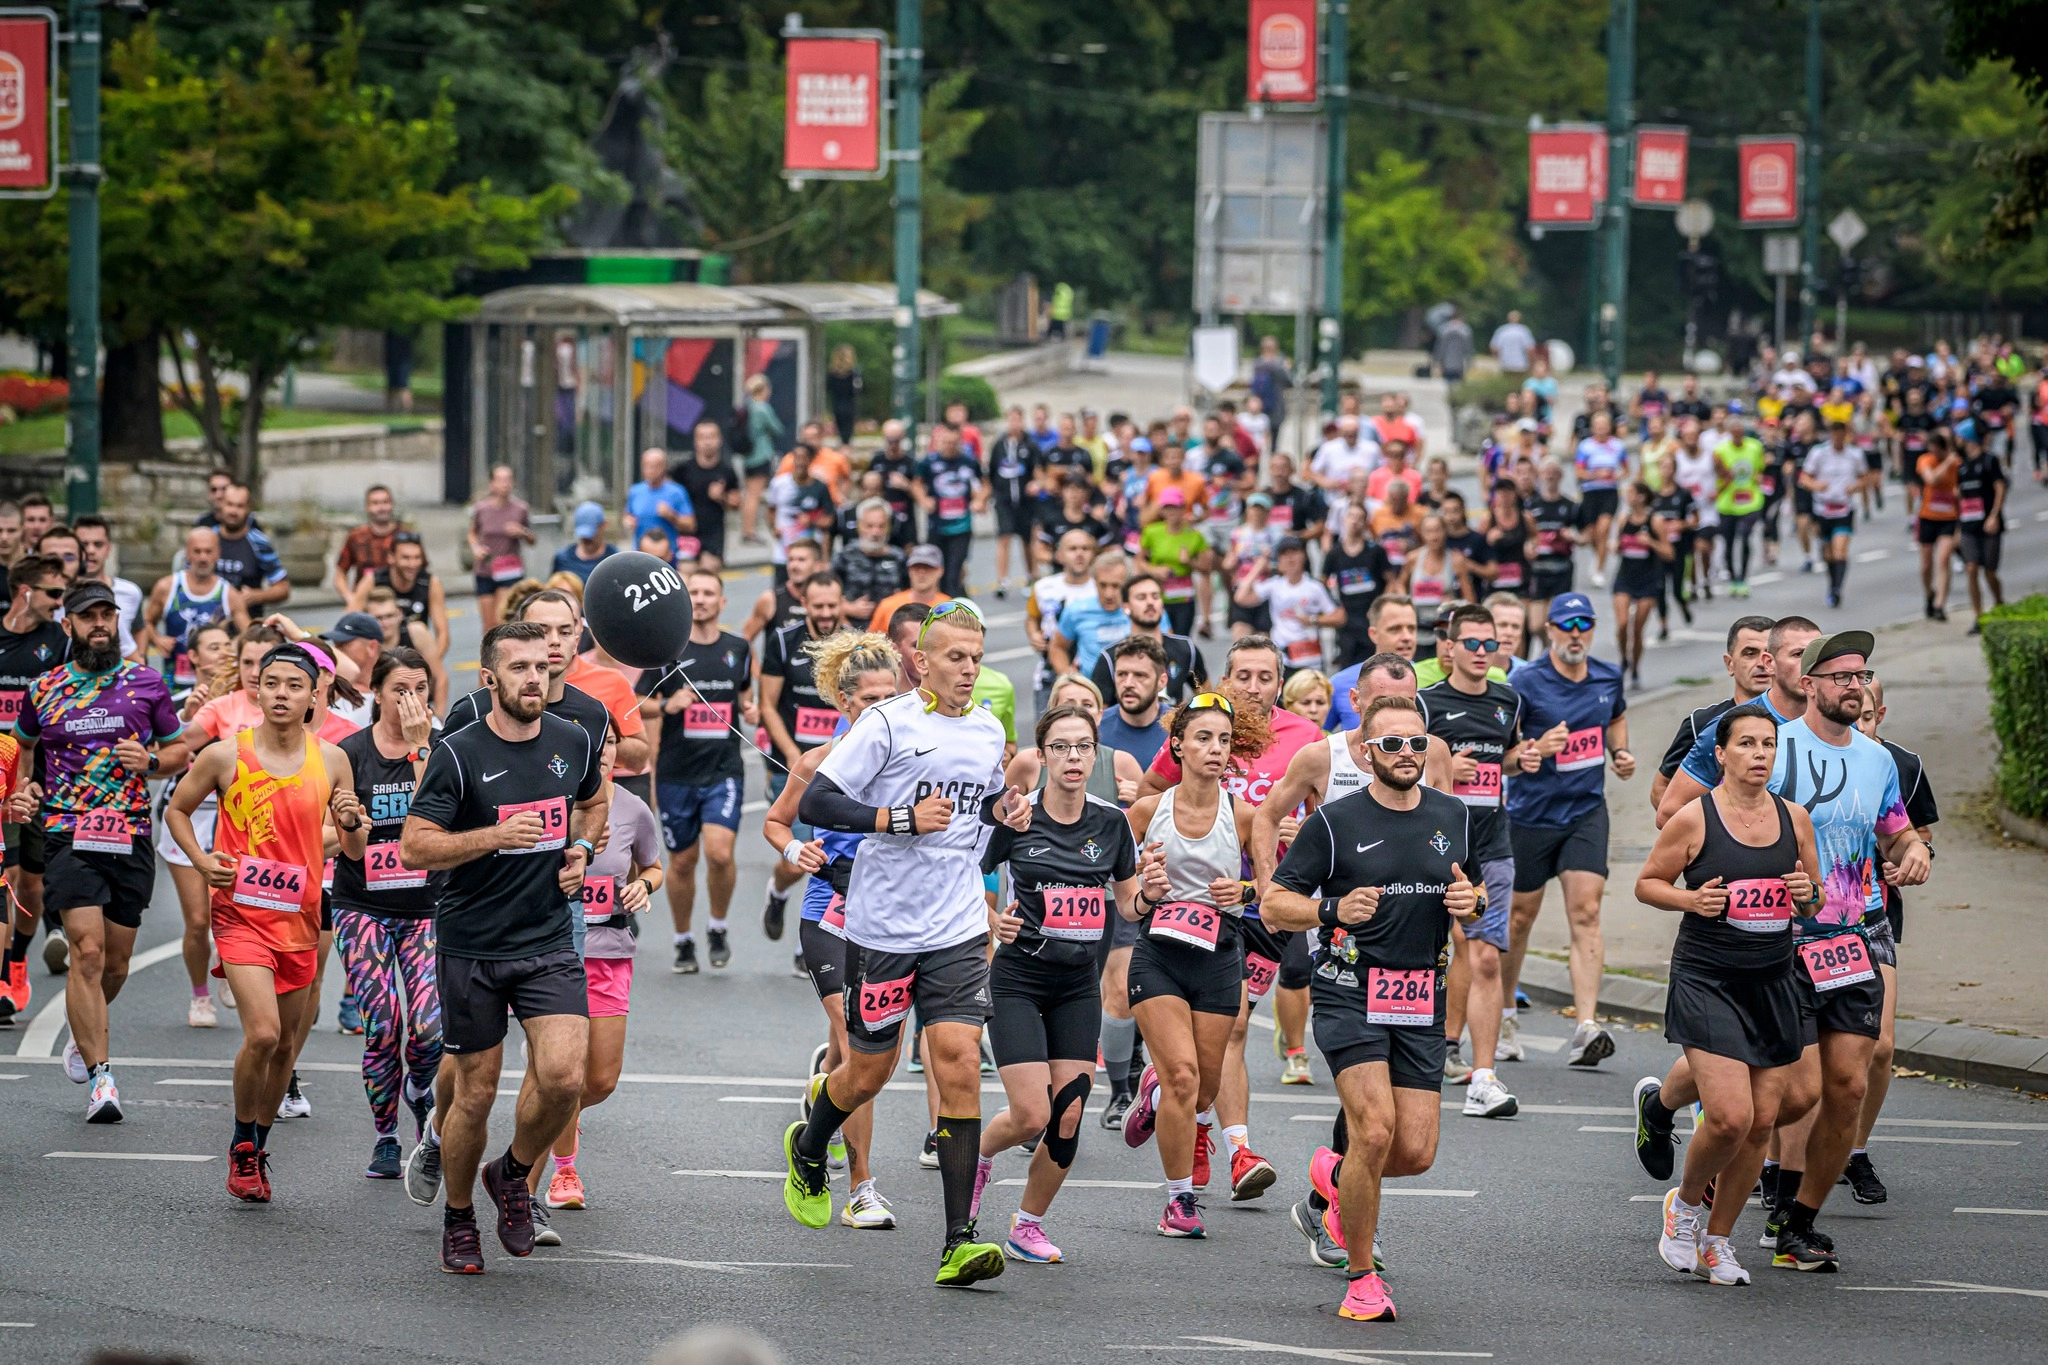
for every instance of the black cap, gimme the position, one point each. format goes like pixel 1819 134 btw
pixel 89 593
pixel 355 625
pixel 1287 543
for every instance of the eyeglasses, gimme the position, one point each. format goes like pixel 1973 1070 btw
pixel 1480 646
pixel 946 609
pixel 1860 678
pixel 1082 748
pixel 55 594
pixel 1394 744
pixel 1213 701
pixel 1577 625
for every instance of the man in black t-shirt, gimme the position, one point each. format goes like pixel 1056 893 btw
pixel 796 716
pixel 714 487
pixel 512 808
pixel 31 644
pixel 699 784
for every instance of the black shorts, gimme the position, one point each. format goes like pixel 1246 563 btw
pixel 475 995
pixel 1545 584
pixel 1346 1036
pixel 1802 502
pixel 120 884
pixel 1873 459
pixel 25 847
pixel 1857 1008
pixel 1598 502
pixel 1755 1022
pixel 1044 1011
pixel 1977 547
pixel 1827 528
pixel 1932 531
pixel 641 785
pixel 1013 518
pixel 1639 578
pixel 1274 949
pixel 1210 980
pixel 945 985
pixel 710 539
pixel 1259 618
pixel 326 911
pixel 1541 852
pixel 825 957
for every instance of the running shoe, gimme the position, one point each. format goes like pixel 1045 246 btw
pixel 384 1160
pixel 515 1208
pixel 916 1067
pixel 1655 1142
pixel 798 967
pixel 1143 1114
pixel 1591 1045
pixel 56 953
pixel 721 952
pixel 1509 1048
pixel 1678 1242
pixel 1251 1175
pixel 1027 1242
pixel 865 1208
pixel 1297 1072
pixel 774 916
pixel 984 1171
pixel 1204 1147
pixel 565 1189
pixel 103 1104
pixel 1183 1218
pixel 1118 1106
pixel 17 988
pixel 544 1234
pixel 1489 1099
pixel 1323 1165
pixel 1864 1186
pixel 350 1017
pixel 835 1152
pixel 227 994
pixel 805 1191
pixel 74 1064
pixel 967 1261
pixel 686 959
pixel 928 1155
pixel 1797 1249
pixel 201 1014
pixel 423 1174
pixel 245 1174
pixel 1366 1300
pixel 1717 1263
pixel 1322 1250
pixel 294 1105
pixel 422 1106
pixel 462 1248
pixel 1456 1072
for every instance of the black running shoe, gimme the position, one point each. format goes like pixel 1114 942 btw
pixel 720 952
pixel 1767 1187
pixel 515 1208
pixel 1864 1186
pixel 1798 1250
pixel 1655 1143
pixel 1113 1114
pixel 686 959
pixel 462 1250
pixel 772 917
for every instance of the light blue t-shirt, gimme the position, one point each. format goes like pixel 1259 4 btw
pixel 1852 793
pixel 1090 630
pixel 645 501
pixel 1700 764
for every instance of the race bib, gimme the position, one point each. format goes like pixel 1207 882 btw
pixel 600 898
pixel 1351 581
pixel 10 706
pixel 688 547
pixel 1305 652
pixel 1509 574
pixel 952 509
pixel 1260 974
pixel 1482 790
pixel 834 920
pixel 1585 748
pixel 1635 547
pixel 1832 963
pixel 815 724
pixel 266 885
pixel 1829 507
pixel 1555 544
pixel 1760 905
pixel 554 818
pixel 1973 510
pixel 1075 913
pixel 1188 922
pixel 507 569
pixel 707 720
pixel 382 870
pixel 883 1003
pixel 1179 588
pixel 1402 999
pixel 103 831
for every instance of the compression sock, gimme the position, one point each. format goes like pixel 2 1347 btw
pixel 262 1136
pixel 1238 1135
pixel 200 992
pixel 17 950
pixel 1788 1190
pixel 1119 1037
pixel 1801 1216
pixel 1838 571
pixel 450 1215
pixel 245 1131
pixel 515 1170
pixel 826 1119
pixel 565 1163
pixel 959 1144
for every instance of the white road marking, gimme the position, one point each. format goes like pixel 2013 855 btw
pixel 745 1175
pixel 1945 1287
pixel 14 1076
pixel 1871 556
pixel 753 1099
pixel 1003 656
pixel 1102 1184
pixel 603 1257
pixel 1943 1142
pixel 1353 1354
pixel 126 1156
pixel 1961 1123
pixel 1770 576
pixel 1592 1128
pixel 16 1324
pixel 1542 1042
pixel 2041 516
pixel 50 1020
pixel 191 1080
pixel 2018 1213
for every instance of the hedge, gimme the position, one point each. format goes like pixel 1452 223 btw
pixel 2016 658
pixel 975 392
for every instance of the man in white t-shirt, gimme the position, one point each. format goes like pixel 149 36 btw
pixel 1512 342
pixel 1833 472
pixel 1352 449
pixel 1301 606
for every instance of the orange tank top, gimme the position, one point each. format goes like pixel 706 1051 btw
pixel 271 827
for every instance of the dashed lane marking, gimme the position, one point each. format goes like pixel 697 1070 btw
pixel 1101 1184
pixel 754 1099
pixel 1594 1128
pixel 1945 1287
pixel 126 1156
pixel 1872 556
pixel 747 1175
pixel 2017 1213
pixel 1944 1142
pixel 193 1080
pixel 1355 1355
pixel 1964 1123
pixel 600 1256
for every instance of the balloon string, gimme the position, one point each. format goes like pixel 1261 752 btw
pixel 677 667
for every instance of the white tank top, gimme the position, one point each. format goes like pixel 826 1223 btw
pixel 1191 864
pixel 1346 776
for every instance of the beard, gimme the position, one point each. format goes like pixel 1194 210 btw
pixel 98 659
pixel 1399 773
pixel 521 707
pixel 1846 709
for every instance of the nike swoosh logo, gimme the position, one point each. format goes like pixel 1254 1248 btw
pixel 1039 852
pixel 920 753
pixel 1452 715
pixel 492 777
pixel 1364 848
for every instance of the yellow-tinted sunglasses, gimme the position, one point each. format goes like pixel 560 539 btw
pixel 946 609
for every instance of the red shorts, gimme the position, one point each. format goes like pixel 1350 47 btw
pixel 242 946
pixel 611 985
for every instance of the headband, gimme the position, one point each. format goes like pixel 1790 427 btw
pixel 296 655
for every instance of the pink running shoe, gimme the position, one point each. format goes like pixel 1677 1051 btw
pixel 1204 1146
pixel 1366 1301
pixel 1322 1172
pixel 1182 1218
pixel 1026 1242
pixel 984 1171
pixel 1138 1123
pixel 565 1189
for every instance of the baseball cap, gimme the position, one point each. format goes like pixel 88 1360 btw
pixel 1173 497
pixel 1567 605
pixel 89 593
pixel 926 557
pixel 587 518
pixel 1287 543
pixel 1256 500
pixel 1835 646
pixel 355 625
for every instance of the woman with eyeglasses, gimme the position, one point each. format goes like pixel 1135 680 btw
pixel 1072 855
pixel 1187 971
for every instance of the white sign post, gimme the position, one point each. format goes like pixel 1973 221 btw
pixel 1781 258
pixel 1215 357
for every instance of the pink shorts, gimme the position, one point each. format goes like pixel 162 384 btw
pixel 241 946
pixel 611 985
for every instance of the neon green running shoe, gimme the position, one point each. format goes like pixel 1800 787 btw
pixel 806 1194
pixel 968 1262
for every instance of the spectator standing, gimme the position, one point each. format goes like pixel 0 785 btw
pixel 843 385
pixel 247 558
pixel 951 490
pixel 1512 344
pixel 1453 349
pixel 500 527
pixel 1270 381
pixel 367 547
pixel 590 548
pixel 766 435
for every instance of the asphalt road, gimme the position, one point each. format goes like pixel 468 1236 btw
pixel 1530 1240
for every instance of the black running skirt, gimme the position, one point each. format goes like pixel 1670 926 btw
pixel 1755 1022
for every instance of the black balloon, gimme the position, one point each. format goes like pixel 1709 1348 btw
pixel 639 610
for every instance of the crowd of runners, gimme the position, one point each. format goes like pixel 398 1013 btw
pixel 1320 730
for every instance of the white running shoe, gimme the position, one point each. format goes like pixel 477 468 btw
pixel 74 1064
pixel 1509 1048
pixel 227 994
pixel 294 1105
pixel 1591 1044
pixel 1487 1098
pixel 1599 579
pixel 1716 1262
pixel 200 1013
pixel 104 1104
pixel 1678 1240
pixel 866 1208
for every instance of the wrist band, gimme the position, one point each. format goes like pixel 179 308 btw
pixel 902 820
pixel 589 849
pixel 792 851
pixel 1327 911
pixel 1248 893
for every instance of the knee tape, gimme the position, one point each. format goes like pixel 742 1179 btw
pixel 1060 1149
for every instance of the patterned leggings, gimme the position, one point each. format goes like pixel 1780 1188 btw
pixel 390 965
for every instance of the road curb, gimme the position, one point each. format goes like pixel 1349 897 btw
pixel 1960 1051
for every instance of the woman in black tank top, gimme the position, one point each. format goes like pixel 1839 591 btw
pixel 1732 1004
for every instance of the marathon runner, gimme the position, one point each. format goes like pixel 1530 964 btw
pixel 1936 521
pixel 494 810
pixel 1378 877
pixel 908 775
pixel 1602 463
pixel 1982 488
pixel 1746 490
pixel 1391 628
pixel 180 602
pixel 1748 662
pixel 1049 596
pixel 1185 671
pixel 1013 486
pixel 31 644
pixel 796 718
pixel 1134 729
pixel 278 787
pixel 1356 571
pixel 1785 697
pixel 1559 527
pixel 1833 472
pixel 783 604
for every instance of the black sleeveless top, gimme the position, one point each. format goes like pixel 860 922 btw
pixel 385 787
pixel 1753 938
pixel 415 599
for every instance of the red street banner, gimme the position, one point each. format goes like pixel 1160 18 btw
pixel 25 104
pixel 1280 65
pixel 1769 180
pixel 1660 167
pixel 1567 174
pixel 832 117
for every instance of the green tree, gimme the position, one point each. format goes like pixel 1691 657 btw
pixel 1406 247
pixel 1988 120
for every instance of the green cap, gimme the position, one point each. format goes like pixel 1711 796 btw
pixel 1834 646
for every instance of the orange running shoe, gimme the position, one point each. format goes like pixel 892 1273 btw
pixel 565 1190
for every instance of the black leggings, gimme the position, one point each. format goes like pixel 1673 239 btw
pixel 1735 532
pixel 1675 571
pixel 953 580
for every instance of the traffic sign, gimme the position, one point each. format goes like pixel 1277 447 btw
pixel 1781 253
pixel 1695 219
pixel 1215 357
pixel 1847 229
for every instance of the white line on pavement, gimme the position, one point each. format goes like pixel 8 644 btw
pixel 1944 1142
pixel 600 1256
pixel 1945 1287
pixel 2018 1213
pixel 1592 1128
pixel 41 1038
pixel 1101 1184
pixel 1354 1355
pixel 126 1156
pixel 1872 556
pixel 736 1175
pixel 753 1099
pixel 190 1080
pixel 14 1076
pixel 1961 1123
pixel 1543 1042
